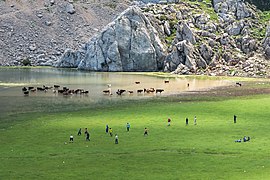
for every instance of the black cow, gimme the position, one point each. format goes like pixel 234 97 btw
pixel 159 90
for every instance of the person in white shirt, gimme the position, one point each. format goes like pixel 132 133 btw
pixel 71 138
pixel 116 139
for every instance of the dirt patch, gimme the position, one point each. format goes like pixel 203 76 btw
pixel 243 90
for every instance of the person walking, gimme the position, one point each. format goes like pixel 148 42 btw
pixel 110 131
pixel 145 132
pixel 234 118
pixel 107 128
pixel 87 136
pixel 71 138
pixel 195 120
pixel 128 126
pixel 116 139
pixel 186 121
pixel 169 121
pixel 80 132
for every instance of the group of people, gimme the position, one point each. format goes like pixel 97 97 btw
pixel 245 139
pixel 109 131
pixel 195 121
pixel 86 133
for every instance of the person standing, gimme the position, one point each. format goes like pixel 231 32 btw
pixel 169 121
pixel 71 138
pixel 128 126
pixel 111 131
pixel 234 118
pixel 107 128
pixel 80 132
pixel 186 121
pixel 145 132
pixel 87 136
pixel 195 120
pixel 116 139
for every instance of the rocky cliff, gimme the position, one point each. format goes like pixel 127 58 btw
pixel 38 32
pixel 129 43
pixel 217 37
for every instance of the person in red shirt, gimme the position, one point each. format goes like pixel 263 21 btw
pixel 169 121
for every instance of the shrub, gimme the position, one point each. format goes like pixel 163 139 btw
pixel 26 62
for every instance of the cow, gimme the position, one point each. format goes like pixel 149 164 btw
pixel 40 89
pixel 139 90
pixel 26 92
pixel 238 84
pixel 120 91
pixel 166 81
pixel 159 90
pixel 137 82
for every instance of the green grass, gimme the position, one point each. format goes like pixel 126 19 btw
pixel 32 146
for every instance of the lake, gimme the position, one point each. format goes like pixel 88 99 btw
pixel 13 101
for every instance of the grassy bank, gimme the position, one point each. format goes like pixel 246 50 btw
pixel 33 147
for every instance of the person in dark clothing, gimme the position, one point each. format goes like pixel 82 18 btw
pixel 186 121
pixel 80 132
pixel 107 128
pixel 87 136
pixel 234 118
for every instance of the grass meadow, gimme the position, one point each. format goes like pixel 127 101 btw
pixel 33 145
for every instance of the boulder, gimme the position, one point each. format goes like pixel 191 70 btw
pixel 235 28
pixel 70 8
pixel 167 28
pixel 184 32
pixel 129 43
pixel 182 53
pixel 206 53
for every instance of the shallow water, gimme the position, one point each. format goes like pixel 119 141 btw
pixel 12 99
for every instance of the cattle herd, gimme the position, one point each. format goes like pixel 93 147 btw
pixel 57 89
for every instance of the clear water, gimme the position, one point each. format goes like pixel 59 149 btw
pixel 12 99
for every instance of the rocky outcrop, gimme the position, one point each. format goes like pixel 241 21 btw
pixel 224 37
pixel 40 32
pixel 266 42
pixel 129 43
pixel 237 8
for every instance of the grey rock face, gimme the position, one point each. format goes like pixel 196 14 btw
pixel 129 43
pixel 71 59
pixel 185 33
pixel 236 7
pixel 70 8
pixel 206 53
pixel 183 53
pixel 167 28
pixel 266 42
pixel 235 28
